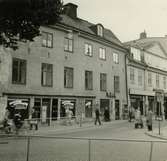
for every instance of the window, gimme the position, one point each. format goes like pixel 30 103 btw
pixel 103 81
pixel 19 71
pixel 164 82
pixel 116 84
pixel 132 75
pixel 115 58
pixel 68 44
pixel 88 49
pixel 88 80
pixel 47 74
pixel 99 30
pixel 102 53
pixel 157 80
pixel 149 78
pixel 140 78
pixel 136 54
pixel 68 77
pixel 47 39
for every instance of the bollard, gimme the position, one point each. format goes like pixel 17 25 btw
pixel 89 155
pixel 28 148
pixel 151 150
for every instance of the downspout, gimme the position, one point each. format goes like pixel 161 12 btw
pixel 126 80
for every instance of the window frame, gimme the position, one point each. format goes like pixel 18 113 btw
pixel 88 79
pixel 157 80
pixel 42 83
pixel 132 75
pixel 117 84
pixel 103 82
pixel 140 78
pixel 100 30
pixel 116 58
pixel 102 54
pixel 149 79
pixel 47 35
pixel 85 49
pixel 136 53
pixel 65 76
pixel 19 71
pixel 68 46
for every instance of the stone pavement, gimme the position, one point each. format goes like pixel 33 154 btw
pixel 56 129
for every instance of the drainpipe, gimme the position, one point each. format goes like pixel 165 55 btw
pixel 126 80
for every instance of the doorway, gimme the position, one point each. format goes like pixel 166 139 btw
pixel 104 103
pixel 54 109
pixel 117 110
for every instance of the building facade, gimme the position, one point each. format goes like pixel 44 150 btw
pixel 72 61
pixel 147 74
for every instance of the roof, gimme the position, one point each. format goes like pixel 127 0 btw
pixel 149 42
pixel 86 26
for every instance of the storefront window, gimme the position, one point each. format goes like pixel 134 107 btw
pixel 70 104
pixel 88 108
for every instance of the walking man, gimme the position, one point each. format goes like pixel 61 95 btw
pixel 34 120
pixel 97 113
pixel 149 120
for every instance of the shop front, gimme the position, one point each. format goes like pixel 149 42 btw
pixel 67 103
pixel 137 102
pixel 15 105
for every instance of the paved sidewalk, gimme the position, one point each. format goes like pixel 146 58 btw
pixel 60 129
pixel 159 133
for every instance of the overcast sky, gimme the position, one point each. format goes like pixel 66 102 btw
pixel 126 18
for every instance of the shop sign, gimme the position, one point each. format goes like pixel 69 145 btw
pixel 18 104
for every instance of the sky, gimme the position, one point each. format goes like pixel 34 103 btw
pixel 126 18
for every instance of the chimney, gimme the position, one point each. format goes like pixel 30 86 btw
pixel 143 35
pixel 70 9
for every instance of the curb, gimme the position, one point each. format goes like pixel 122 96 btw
pixel 156 136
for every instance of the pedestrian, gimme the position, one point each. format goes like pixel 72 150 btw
pixel 106 114
pixel 34 119
pixel 6 122
pixel 97 116
pixel 17 121
pixel 138 119
pixel 69 115
pixel 149 120
pixel 130 114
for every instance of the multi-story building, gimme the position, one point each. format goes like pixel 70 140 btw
pixel 147 74
pixel 72 61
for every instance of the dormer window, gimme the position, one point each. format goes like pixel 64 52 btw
pixel 136 53
pixel 100 30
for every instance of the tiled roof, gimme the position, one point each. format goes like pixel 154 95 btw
pixel 86 26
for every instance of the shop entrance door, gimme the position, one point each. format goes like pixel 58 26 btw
pixel 46 110
pixel 117 110
pixel 104 103
pixel 54 109
pixel 141 107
